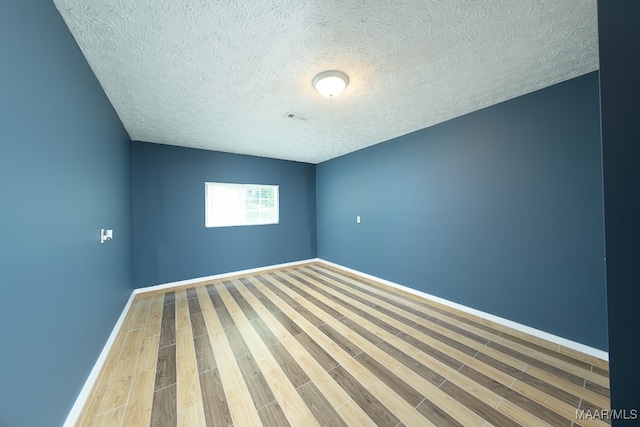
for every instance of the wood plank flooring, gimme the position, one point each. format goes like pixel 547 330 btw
pixel 316 346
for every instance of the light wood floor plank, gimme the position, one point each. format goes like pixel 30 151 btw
pixel 140 399
pixel 354 415
pixel 188 388
pixel 522 415
pixel 139 320
pixel 155 316
pixel 318 404
pixel 138 409
pixel 285 393
pixel 514 341
pixel 183 317
pixel 315 346
pixel 596 362
pixel 192 416
pixel 489 398
pixel 561 408
pixel 119 384
pixel 407 413
pixel 574 389
pixel 240 403
pixel 316 372
pixel 132 344
pixel 347 382
pixel 89 412
pixel 112 418
pixel 437 329
pixel 338 353
pixel 438 405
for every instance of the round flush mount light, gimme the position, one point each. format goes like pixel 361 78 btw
pixel 330 83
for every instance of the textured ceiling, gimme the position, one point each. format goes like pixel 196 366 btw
pixel 221 75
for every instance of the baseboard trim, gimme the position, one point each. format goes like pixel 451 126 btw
pixel 187 282
pixel 591 351
pixel 83 397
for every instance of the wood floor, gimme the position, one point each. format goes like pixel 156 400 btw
pixel 315 346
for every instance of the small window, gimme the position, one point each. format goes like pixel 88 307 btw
pixel 228 205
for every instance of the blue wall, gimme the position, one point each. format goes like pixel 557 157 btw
pixel 64 174
pixel 499 210
pixel 170 240
pixel 620 92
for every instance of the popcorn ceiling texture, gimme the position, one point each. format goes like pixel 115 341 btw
pixel 221 75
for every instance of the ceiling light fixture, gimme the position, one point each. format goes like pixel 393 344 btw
pixel 330 83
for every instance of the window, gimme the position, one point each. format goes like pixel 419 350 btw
pixel 240 204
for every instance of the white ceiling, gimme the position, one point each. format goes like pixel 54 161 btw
pixel 221 75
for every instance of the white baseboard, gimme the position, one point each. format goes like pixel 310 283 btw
pixel 76 410
pixel 219 276
pixel 591 351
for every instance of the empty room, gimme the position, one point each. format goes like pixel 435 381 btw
pixel 323 213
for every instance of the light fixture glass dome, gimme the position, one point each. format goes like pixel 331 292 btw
pixel 330 83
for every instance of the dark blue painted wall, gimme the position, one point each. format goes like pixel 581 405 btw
pixel 499 210
pixel 170 240
pixel 64 174
pixel 620 92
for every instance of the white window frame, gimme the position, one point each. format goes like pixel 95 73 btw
pixel 234 210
